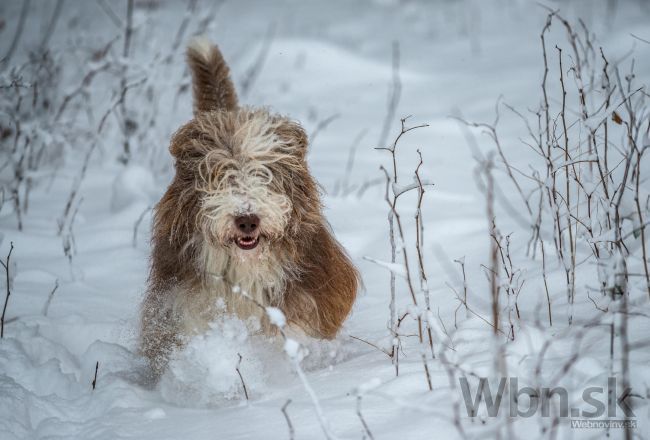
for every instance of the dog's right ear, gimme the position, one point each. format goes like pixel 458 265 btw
pixel 185 145
pixel 211 84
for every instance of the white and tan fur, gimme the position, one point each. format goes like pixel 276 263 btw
pixel 234 162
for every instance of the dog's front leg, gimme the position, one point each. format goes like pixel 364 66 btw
pixel 159 332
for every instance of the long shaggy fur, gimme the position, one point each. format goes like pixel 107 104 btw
pixel 233 161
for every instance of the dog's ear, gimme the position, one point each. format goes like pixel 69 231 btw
pixel 294 135
pixel 185 144
pixel 211 84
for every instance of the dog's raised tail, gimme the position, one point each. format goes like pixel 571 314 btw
pixel 211 84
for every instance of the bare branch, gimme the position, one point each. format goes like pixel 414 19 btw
pixel 6 264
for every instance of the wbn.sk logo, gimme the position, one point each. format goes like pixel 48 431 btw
pixel 597 399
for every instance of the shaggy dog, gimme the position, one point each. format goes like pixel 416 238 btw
pixel 240 226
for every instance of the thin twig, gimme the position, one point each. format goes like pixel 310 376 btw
pixel 6 265
pixel 395 94
pixel 372 345
pixel 46 307
pixel 19 31
pixel 136 226
pixel 51 25
pixel 117 21
pixel 253 72
pixel 363 421
pixel 322 125
pixel 286 417
pixel 94 383
pixel 243 384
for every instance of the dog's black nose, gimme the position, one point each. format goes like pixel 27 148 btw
pixel 247 224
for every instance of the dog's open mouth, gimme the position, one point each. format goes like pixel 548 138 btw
pixel 247 243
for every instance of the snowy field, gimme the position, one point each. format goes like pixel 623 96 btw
pixel 76 205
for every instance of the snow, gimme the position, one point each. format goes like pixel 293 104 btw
pixel 370 385
pixel 205 372
pixel 276 316
pixel 292 348
pixel 326 59
pixel 133 184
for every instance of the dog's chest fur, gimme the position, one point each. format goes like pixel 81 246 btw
pixel 236 286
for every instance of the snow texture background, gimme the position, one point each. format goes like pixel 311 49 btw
pixel 330 66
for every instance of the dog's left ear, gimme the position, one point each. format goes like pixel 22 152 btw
pixel 294 135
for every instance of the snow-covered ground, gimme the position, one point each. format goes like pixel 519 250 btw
pixel 329 65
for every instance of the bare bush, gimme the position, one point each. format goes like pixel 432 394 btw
pixel 585 200
pixel 585 204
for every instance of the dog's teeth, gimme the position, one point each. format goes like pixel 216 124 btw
pixel 247 241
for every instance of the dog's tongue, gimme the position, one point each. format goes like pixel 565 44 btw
pixel 247 243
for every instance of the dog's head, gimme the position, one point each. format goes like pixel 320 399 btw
pixel 247 170
pixel 242 182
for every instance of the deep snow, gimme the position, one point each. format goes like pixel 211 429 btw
pixel 326 60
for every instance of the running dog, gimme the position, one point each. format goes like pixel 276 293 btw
pixel 240 227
